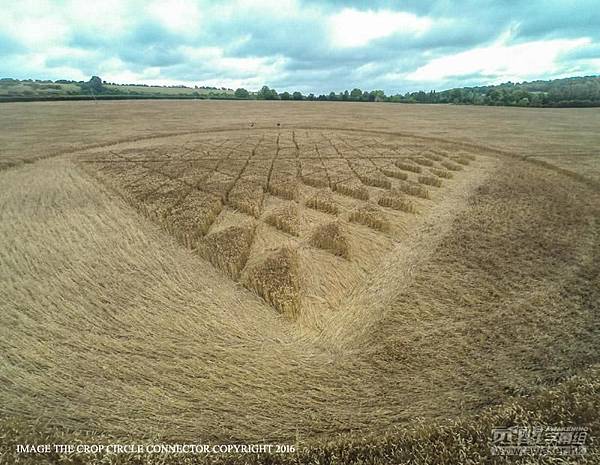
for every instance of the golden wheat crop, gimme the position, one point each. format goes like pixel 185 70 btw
pixel 451 166
pixel 370 216
pixel 285 218
pixel 333 336
pixel 229 248
pixel 395 173
pixel 408 166
pixel 323 201
pixel 276 280
pixel 397 202
pixel 352 190
pixel 330 237
pixel 375 180
pixel 413 189
pixel 430 181
pixel 441 173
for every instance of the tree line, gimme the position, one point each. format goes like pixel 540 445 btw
pixel 569 92
pixel 356 95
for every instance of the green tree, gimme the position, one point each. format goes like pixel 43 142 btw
pixel 494 96
pixel 356 94
pixel 264 92
pixel 267 94
pixel 297 95
pixel 94 85
pixel 456 95
pixel 285 96
pixel 376 96
pixel 242 93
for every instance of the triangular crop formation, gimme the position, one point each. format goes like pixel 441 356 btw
pixel 299 217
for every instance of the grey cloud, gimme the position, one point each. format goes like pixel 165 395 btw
pixel 554 19
pixel 8 45
pixel 153 55
pixel 584 53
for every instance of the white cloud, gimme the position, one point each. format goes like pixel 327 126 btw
pixel 354 28
pixel 181 16
pixel 265 8
pixel 42 25
pixel 248 72
pixel 500 61
pixel 33 65
pixel 39 32
pixel 108 17
pixel 116 70
pixel 214 58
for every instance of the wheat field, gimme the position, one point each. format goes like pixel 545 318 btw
pixel 343 277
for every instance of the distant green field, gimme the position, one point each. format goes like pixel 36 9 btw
pixel 15 89
pixel 166 90
pixel 30 88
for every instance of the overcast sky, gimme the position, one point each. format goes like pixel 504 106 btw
pixel 311 46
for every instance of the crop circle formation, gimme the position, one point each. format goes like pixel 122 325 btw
pixel 268 208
